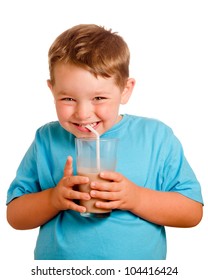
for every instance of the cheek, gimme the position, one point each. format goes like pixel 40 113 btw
pixel 62 112
pixel 104 113
pixel 108 113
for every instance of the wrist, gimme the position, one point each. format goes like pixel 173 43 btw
pixel 52 200
pixel 134 199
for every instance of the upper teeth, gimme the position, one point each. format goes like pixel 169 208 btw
pixel 91 124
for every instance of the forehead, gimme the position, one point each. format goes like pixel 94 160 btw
pixel 72 76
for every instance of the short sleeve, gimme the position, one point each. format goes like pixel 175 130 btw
pixel 178 175
pixel 26 180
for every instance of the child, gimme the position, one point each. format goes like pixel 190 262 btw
pixel 153 185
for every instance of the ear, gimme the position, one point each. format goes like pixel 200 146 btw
pixel 126 94
pixel 51 88
pixel 49 84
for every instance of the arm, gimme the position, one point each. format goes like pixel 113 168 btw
pixel 167 208
pixel 35 209
pixel 31 210
pixel 162 208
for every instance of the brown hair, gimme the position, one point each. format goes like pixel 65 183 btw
pixel 92 47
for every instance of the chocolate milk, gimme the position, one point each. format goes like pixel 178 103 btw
pixel 90 204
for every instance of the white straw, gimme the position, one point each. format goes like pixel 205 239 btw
pixel 97 145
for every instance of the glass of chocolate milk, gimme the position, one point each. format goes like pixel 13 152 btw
pixel 92 158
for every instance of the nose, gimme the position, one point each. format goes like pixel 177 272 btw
pixel 83 111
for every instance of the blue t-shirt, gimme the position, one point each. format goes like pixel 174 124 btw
pixel 148 154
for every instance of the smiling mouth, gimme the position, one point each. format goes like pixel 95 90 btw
pixel 94 124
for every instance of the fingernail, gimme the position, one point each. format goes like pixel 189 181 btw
pixel 97 204
pixel 86 179
pixel 92 185
pixel 92 193
pixel 102 174
pixel 86 197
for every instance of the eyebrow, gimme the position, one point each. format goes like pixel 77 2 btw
pixel 94 93
pixel 62 93
pixel 103 92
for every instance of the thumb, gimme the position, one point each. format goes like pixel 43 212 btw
pixel 68 169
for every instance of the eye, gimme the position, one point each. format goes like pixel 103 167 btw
pixel 98 98
pixel 68 99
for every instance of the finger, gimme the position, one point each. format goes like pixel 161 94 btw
pixel 68 169
pixel 73 206
pixel 71 194
pixel 107 205
pixel 111 176
pixel 75 180
pixel 112 196
pixel 105 186
pixel 100 186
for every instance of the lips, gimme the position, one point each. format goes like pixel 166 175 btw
pixel 82 127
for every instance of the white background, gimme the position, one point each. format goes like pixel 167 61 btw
pixel 168 41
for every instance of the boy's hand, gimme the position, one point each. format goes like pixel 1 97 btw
pixel 63 194
pixel 118 191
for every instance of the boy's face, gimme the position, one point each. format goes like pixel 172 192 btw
pixel 82 99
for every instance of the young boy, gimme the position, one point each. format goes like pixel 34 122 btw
pixel 153 185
